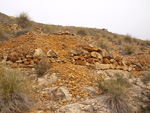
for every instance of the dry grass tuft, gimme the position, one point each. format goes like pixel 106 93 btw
pixel 115 89
pixel 81 32
pixel 103 44
pixel 146 79
pixel 129 49
pixel 23 20
pixel 15 92
pixel 128 39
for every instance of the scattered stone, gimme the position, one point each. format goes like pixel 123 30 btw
pixel 52 60
pixel 91 49
pixel 76 57
pixel 90 90
pixel 42 81
pixel 103 66
pixel 14 65
pixel 22 66
pixel 39 54
pixel 26 62
pixel 28 56
pixel 106 61
pixel 118 58
pixel 53 78
pixel 19 61
pixel 9 62
pixel 96 55
pixel 52 54
pixel 64 92
pixel 80 62
pixel 35 60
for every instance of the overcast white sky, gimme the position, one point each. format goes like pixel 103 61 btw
pixel 118 16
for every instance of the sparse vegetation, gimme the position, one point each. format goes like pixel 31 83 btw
pixel 145 109
pixel 1 33
pixel 23 21
pixel 103 45
pixel 42 67
pixel 145 97
pixel 115 89
pixel 119 41
pixel 147 42
pixel 81 32
pixel 128 39
pixel 129 49
pixel 146 79
pixel 15 92
pixel 21 32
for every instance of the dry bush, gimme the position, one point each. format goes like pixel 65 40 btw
pixel 118 41
pixel 19 33
pixel 1 33
pixel 115 89
pixel 146 94
pixel 15 92
pixel 82 32
pixel 128 39
pixel 23 21
pixel 146 79
pixel 145 109
pixel 147 42
pixel 129 49
pixel 103 44
pixel 42 67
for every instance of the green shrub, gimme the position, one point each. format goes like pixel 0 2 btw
pixel 15 92
pixel 42 67
pixel 115 89
pixel 129 49
pixel 82 32
pixel 23 21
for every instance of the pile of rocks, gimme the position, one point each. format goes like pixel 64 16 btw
pixel 10 27
pixel 37 32
pixel 100 59
pixel 15 60
pixel 63 33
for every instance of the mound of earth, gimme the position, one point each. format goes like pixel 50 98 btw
pixel 76 67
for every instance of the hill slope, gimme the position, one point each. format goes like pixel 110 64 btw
pixel 77 64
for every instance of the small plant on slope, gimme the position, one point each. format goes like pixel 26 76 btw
pixel 15 92
pixel 129 49
pixel 115 89
pixel 103 44
pixel 82 32
pixel 23 21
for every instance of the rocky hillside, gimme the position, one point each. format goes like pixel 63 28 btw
pixel 66 71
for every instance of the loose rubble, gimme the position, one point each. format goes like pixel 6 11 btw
pixel 70 85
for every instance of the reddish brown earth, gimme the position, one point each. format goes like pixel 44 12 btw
pixel 73 59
